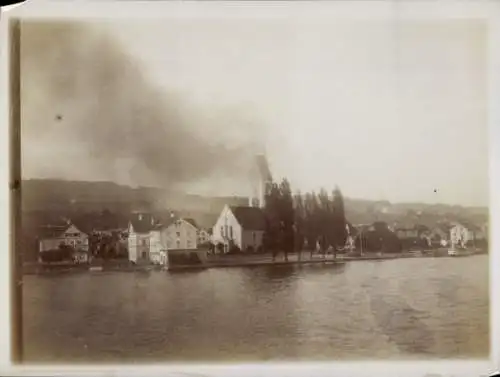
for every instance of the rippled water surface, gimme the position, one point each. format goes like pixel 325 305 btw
pixel 406 309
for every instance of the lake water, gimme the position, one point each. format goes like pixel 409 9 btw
pixel 395 309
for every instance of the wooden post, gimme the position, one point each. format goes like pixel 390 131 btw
pixel 15 193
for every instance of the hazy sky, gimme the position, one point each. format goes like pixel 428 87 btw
pixel 386 111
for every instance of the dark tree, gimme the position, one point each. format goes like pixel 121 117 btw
pixel 338 221
pixel 272 210
pixel 300 220
pixel 287 218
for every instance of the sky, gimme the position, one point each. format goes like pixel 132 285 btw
pixel 385 110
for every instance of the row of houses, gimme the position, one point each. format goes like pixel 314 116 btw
pixel 381 236
pixel 148 238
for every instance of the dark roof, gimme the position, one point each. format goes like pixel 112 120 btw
pixel 250 218
pixel 52 231
pixel 469 225
pixel 142 224
pixel 100 221
pixel 56 230
pixel 444 227
pixel 190 221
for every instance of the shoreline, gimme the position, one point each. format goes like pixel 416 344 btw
pixel 224 262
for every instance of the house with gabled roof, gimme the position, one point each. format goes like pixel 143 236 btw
pixel 240 226
pixel 465 230
pixel 142 237
pixel 151 238
pixel 52 237
pixel 180 234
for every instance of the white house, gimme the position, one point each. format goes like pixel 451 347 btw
pixel 150 241
pixel 54 236
pixel 143 236
pixel 467 232
pixel 242 226
pixel 180 234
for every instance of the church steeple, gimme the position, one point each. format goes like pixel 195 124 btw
pixel 263 182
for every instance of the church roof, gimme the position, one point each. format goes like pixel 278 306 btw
pixel 250 218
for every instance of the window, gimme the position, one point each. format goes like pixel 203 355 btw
pixel 178 244
pixel 225 230
pixel 143 254
pixel 143 242
pixel 221 230
pixel 231 232
pixel 178 234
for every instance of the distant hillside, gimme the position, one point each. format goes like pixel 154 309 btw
pixel 80 196
pixel 60 195
pixel 365 211
pixel 47 201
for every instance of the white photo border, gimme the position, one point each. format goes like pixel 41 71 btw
pixel 353 10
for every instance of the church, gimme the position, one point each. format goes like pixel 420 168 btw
pixel 242 227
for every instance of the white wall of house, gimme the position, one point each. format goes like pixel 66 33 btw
pixel 138 245
pixel 227 227
pixel 460 231
pixel 75 238
pixel 155 247
pixel 180 235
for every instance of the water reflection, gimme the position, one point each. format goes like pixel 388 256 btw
pixel 356 310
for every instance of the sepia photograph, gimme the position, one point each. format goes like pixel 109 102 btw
pixel 251 189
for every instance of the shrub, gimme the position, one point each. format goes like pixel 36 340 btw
pixel 234 250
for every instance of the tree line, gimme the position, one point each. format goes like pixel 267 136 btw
pixel 303 221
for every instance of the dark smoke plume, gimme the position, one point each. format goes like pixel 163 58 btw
pixel 88 109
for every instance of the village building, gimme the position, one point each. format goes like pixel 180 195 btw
pixel 352 233
pixel 204 236
pixel 180 234
pixel 466 232
pixel 153 241
pixel 55 237
pixel 143 238
pixel 413 236
pixel 241 227
pixel 377 237
pixel 439 235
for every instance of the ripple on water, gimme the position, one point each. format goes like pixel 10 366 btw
pixel 394 309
